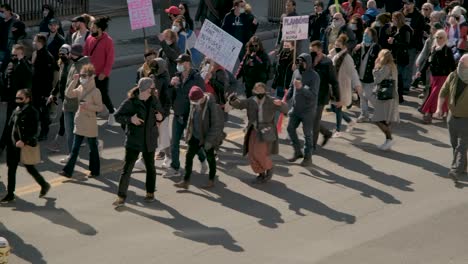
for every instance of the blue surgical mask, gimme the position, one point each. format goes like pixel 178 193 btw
pixel 2 15
pixel 367 39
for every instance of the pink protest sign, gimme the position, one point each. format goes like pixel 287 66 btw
pixel 141 13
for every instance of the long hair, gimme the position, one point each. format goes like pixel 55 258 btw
pixel 400 19
pixel 187 11
pixel 385 57
pixel 257 40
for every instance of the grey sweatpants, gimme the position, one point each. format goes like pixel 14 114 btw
pixel 458 129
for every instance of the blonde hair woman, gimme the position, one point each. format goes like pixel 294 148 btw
pixel 386 112
pixel 441 62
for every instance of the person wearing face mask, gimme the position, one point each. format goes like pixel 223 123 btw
pixel 338 26
pixel 239 24
pixel 84 88
pixel 318 21
pixel 348 80
pixel 6 37
pixel 169 50
pixel 204 131
pixel 54 43
pixel 290 10
pixel 261 137
pixel 457 31
pixel 454 93
pixel 22 128
pixel 254 66
pixel 303 94
pixel 364 56
pixel 18 31
pixel 182 82
pixel 442 63
pixel 284 72
pixel 140 113
pixel 64 64
pixel 353 8
pixel 18 76
pixel 100 49
pixel 44 67
pixel 186 40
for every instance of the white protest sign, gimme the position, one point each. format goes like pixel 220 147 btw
pixel 295 27
pixel 218 45
pixel 141 13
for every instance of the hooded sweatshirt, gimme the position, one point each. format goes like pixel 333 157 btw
pixel 304 100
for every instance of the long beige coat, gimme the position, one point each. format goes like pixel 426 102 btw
pixel 85 119
pixel 348 77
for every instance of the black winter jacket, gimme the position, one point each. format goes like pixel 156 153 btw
pixel 25 122
pixel 181 101
pixel 358 55
pixel 441 62
pixel 328 82
pixel 43 73
pixel 401 44
pixel 19 78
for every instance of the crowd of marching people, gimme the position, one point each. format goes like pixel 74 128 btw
pixel 368 53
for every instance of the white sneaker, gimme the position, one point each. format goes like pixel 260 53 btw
pixel 111 120
pixel 363 119
pixel 140 164
pixel 166 163
pixel 337 134
pixel 171 172
pixel 388 144
pixel 204 168
pixel 67 158
pixel 351 126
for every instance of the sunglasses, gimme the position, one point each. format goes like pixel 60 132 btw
pixel 439 37
pixel 425 9
pixel 14 55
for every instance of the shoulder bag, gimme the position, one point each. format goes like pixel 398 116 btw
pixel 385 89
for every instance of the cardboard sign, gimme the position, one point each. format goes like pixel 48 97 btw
pixel 295 27
pixel 218 45
pixel 141 13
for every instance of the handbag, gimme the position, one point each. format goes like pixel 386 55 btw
pixel 385 90
pixel 266 133
pixel 30 155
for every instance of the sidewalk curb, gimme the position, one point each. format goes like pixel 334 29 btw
pixel 135 59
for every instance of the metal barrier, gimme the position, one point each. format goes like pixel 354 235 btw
pixel 275 9
pixel 30 11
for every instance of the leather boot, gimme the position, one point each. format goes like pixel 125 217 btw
pixel 307 162
pixel 297 155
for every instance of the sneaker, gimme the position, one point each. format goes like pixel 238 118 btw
pixel 171 172
pixel 306 162
pixel 67 158
pixel 149 198
pixel 363 119
pixel 182 184
pixel 268 175
pixel 160 156
pixel 204 168
pixel 100 146
pixel 64 174
pixel 166 163
pixel 140 164
pixel 119 202
pixel 111 120
pixel 336 134
pixel 44 190
pixel 297 155
pixel 351 125
pixel 388 144
pixel 8 198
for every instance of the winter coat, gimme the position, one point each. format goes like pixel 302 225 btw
pixel 254 69
pixel 19 78
pixel 329 88
pixel 180 96
pixel 304 100
pixel 317 25
pixel 25 122
pixel 417 24
pixel 101 53
pixel 284 72
pixel 348 77
pixel 386 110
pixel 384 33
pixel 343 30
pixel 62 84
pixel 243 29
pixel 440 62
pixel 219 81
pixel 401 44
pixel 214 12
pixel 162 81
pixel 85 119
pixel 43 73
pixel 269 113
pixel 212 123
pixel 55 45
pixel 359 56
pixel 169 53
pixel 144 137
pixel 71 104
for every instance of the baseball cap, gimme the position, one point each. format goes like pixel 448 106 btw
pixel 183 58
pixel 53 21
pixel 173 10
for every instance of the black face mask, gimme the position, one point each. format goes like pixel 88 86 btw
pixel 260 95
pixel 286 50
pixel 20 104
pixel 313 54
pixel 94 34
pixel 302 68
pixel 64 59
pixel 14 60
pixel 338 50
pixel 76 59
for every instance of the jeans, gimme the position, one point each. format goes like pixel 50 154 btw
pixel 13 159
pixel 178 126
pixel 103 86
pixel 69 121
pixel 131 157
pixel 366 98
pixel 94 162
pixel 318 127
pixel 307 120
pixel 340 115
pixel 458 129
pixel 194 148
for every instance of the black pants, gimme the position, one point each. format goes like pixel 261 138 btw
pixel 13 159
pixel 40 103
pixel 131 157
pixel 193 148
pixel 318 127
pixel 103 86
pixel 6 134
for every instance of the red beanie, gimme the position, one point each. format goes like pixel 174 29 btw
pixel 195 93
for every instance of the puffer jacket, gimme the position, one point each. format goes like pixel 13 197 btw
pixel 144 137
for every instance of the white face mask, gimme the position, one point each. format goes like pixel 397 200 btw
pixel 180 68
pixel 84 81
pixel 378 24
pixel 168 42
pixel 242 10
pixel 175 29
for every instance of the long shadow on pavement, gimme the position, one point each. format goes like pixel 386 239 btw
pixel 365 189
pixel 268 215
pixel 363 168
pixel 190 229
pixel 20 248
pixel 58 216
